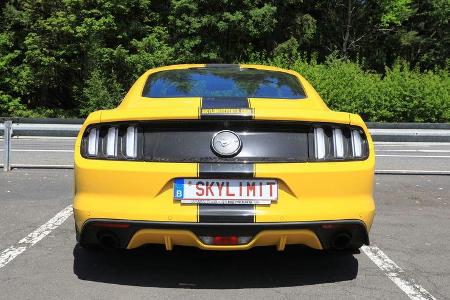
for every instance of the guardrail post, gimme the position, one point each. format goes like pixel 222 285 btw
pixel 7 133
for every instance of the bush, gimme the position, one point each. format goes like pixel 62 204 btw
pixel 100 92
pixel 410 96
pixel 401 95
pixel 10 106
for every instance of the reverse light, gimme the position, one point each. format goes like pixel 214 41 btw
pixel 131 142
pixel 111 142
pixel 338 143
pixel 92 147
pixel 319 141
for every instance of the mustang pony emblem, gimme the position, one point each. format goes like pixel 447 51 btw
pixel 226 143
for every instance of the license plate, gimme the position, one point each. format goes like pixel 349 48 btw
pixel 225 191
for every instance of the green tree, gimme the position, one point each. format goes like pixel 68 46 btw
pixel 53 53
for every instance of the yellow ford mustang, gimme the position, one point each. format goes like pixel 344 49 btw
pixel 223 157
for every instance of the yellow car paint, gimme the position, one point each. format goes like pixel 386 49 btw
pixel 142 191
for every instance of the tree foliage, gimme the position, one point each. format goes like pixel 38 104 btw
pixel 69 57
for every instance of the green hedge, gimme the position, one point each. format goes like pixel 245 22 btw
pixel 400 95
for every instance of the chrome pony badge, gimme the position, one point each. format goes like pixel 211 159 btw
pixel 226 143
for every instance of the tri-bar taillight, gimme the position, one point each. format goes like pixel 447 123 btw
pixel 112 142
pixel 339 143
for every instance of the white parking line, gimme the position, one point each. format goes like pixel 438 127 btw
pixel 396 274
pixel 7 255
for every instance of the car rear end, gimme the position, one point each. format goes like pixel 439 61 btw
pixel 152 172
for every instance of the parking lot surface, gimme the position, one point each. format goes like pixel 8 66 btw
pixel 412 228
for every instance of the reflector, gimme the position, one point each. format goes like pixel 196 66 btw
pixel 112 225
pixel 131 142
pixel 111 142
pixel 338 142
pixel 93 142
pixel 319 141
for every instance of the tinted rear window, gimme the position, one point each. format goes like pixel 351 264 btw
pixel 223 82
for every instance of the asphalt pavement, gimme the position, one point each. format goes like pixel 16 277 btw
pixel 39 258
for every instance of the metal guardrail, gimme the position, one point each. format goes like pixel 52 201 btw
pixel 9 129
pixel 61 130
pixel 7 133
pixel 381 132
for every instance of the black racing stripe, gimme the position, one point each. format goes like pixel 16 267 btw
pixel 222 66
pixel 222 213
pixel 226 170
pixel 225 102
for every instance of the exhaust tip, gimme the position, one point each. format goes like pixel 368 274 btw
pixel 108 240
pixel 341 241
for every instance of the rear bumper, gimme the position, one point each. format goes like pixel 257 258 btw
pixel 132 234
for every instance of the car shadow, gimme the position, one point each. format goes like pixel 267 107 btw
pixel 187 267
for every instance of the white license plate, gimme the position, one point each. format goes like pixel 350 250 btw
pixel 225 191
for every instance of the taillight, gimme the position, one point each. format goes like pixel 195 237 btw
pixel 120 142
pixel 92 143
pixel 338 143
pixel 111 142
pixel 335 142
pixel 320 146
pixel 131 142
pixel 357 144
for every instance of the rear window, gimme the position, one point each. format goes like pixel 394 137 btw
pixel 223 82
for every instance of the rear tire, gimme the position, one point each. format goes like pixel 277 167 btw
pixel 90 247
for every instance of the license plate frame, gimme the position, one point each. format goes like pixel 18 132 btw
pixel 225 191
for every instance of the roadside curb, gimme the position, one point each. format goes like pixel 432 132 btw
pixel 410 135
pixel 381 125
